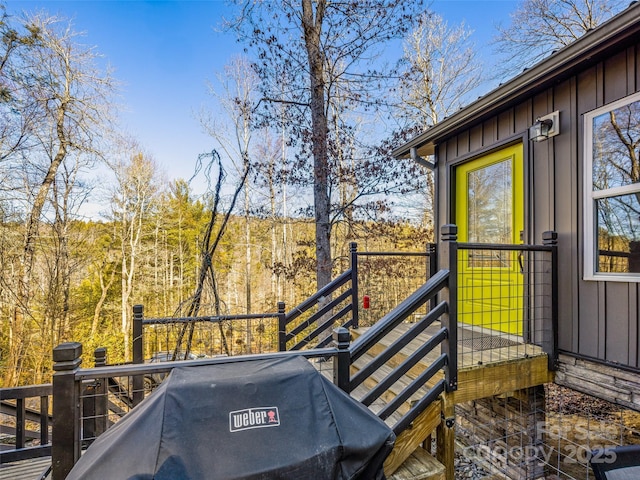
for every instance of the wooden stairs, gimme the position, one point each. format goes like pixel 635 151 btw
pixel 408 460
pixel 489 372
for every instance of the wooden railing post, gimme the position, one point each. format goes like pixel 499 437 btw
pixel 550 343
pixel 282 327
pixel 446 438
pixel 65 448
pixel 138 356
pixel 101 393
pixel 342 361
pixel 449 255
pixel 432 267
pixel 355 302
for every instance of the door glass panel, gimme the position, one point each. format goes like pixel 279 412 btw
pixel 490 208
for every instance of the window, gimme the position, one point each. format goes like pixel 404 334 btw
pixel 489 200
pixel 612 191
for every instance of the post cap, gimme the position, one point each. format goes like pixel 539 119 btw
pixel 67 352
pixel 341 335
pixel 449 232
pixel 549 237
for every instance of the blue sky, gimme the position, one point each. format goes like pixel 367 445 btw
pixel 164 52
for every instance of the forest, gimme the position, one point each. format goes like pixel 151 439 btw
pixel 299 167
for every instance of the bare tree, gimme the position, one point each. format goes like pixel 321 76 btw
pixel 133 201
pixel 67 101
pixel 539 27
pixel 17 110
pixel 441 70
pixel 207 283
pixel 239 87
pixel 311 53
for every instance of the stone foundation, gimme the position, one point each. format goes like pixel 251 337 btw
pixel 612 384
pixel 505 432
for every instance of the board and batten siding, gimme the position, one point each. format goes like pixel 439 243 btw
pixel 597 319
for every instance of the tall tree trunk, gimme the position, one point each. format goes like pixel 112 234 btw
pixel 22 309
pixel 247 263
pixel 312 26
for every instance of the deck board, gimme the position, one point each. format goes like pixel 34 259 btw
pixel 470 343
pixel 489 363
pixel 25 469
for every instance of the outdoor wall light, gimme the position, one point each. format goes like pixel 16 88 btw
pixel 545 127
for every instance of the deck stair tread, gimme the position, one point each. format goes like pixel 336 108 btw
pixel 377 405
pixel 405 459
pixel 477 349
pixel 408 349
pixel 419 466
pixel 381 373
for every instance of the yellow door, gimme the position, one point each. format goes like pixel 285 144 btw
pixel 490 209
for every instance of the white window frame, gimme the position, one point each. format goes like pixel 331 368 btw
pixel 590 197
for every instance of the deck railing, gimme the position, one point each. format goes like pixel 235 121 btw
pixel 88 401
pixel 507 301
pixel 71 395
pixel 307 325
pixel 29 407
pixel 122 386
pixel 444 337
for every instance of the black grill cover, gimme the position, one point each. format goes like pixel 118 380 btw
pixel 259 419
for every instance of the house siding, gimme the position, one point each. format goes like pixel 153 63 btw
pixel 596 319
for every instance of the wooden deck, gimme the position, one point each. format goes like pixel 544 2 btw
pixel 489 364
pixel 26 469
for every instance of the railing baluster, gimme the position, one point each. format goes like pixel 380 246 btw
pixel 282 327
pixel 138 356
pixel 20 422
pixel 44 420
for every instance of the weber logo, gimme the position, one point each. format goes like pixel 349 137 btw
pixel 260 417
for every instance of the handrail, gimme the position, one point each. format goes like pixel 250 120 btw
pixel 504 246
pixel 387 323
pixel 26 391
pixel 163 367
pixel 313 299
pixel 208 318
